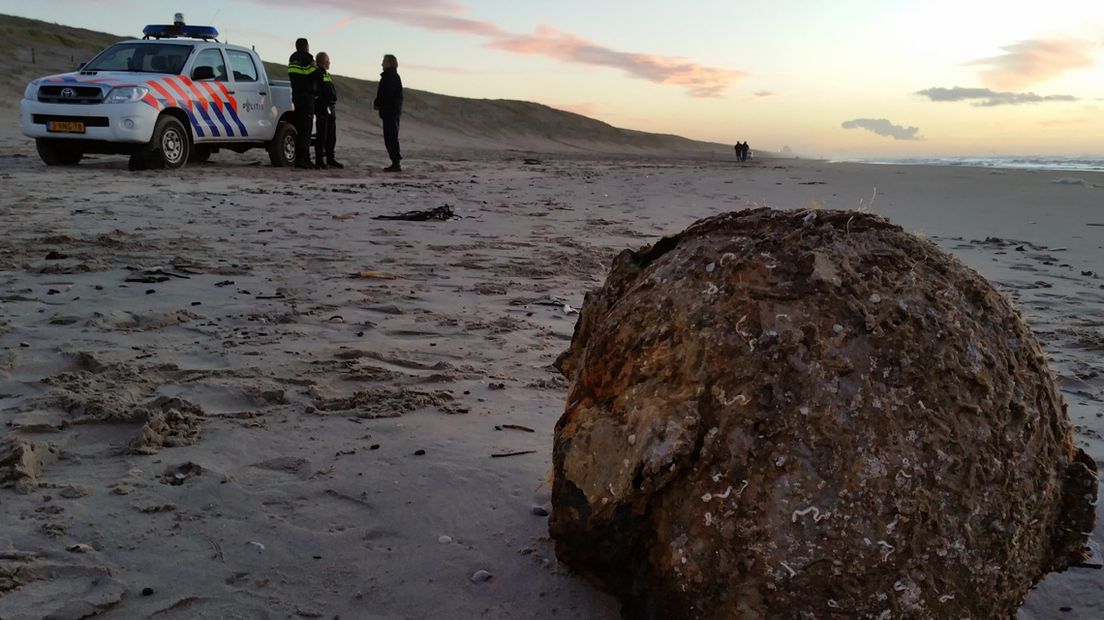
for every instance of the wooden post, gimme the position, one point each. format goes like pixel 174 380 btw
pixel 32 56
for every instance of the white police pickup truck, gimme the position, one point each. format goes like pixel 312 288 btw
pixel 178 95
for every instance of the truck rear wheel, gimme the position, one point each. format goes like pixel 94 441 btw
pixel 281 151
pixel 57 153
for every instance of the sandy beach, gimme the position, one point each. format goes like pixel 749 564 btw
pixel 352 417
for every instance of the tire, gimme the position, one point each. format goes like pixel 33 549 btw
pixel 57 153
pixel 281 151
pixel 172 142
pixel 199 155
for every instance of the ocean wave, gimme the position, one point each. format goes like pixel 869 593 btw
pixel 1006 162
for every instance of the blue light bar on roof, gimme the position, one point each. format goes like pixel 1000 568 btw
pixel 171 31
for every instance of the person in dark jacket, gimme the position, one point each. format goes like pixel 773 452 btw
pixel 741 151
pixel 389 102
pixel 325 117
pixel 305 82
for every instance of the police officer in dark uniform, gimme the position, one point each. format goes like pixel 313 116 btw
pixel 325 117
pixel 306 80
pixel 389 102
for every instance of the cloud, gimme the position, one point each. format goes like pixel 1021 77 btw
pixel 699 80
pixel 1035 60
pixel 1067 122
pixel 449 16
pixel 448 23
pixel 431 14
pixel 764 93
pixel 883 127
pixel 984 97
pixel 340 25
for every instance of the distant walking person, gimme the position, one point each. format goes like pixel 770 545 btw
pixel 389 102
pixel 305 80
pixel 741 151
pixel 325 117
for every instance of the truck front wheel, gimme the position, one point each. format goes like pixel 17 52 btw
pixel 170 147
pixel 281 151
pixel 57 153
pixel 172 140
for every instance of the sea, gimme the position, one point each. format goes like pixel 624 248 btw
pixel 1079 163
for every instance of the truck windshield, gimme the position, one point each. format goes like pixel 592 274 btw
pixel 142 58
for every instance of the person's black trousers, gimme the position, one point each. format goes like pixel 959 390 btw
pixel 304 126
pixel 391 137
pixel 326 140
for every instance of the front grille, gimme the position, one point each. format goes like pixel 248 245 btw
pixel 89 121
pixel 70 94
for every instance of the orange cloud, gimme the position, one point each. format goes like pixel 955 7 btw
pixel 447 15
pixel 1035 60
pixel 341 24
pixel 431 21
pixel 430 14
pixel 699 80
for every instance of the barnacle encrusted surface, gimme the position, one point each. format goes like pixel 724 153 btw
pixel 803 414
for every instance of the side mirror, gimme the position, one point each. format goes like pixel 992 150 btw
pixel 81 66
pixel 203 73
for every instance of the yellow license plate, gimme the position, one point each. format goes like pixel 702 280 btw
pixel 65 126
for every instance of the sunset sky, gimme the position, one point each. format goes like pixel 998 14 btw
pixel 852 78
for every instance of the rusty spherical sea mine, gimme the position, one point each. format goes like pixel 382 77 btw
pixel 811 414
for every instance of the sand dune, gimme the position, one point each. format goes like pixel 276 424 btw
pixel 431 121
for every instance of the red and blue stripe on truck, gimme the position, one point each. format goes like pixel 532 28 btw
pixel 191 97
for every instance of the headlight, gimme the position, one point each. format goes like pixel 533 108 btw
pixel 126 94
pixel 32 90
